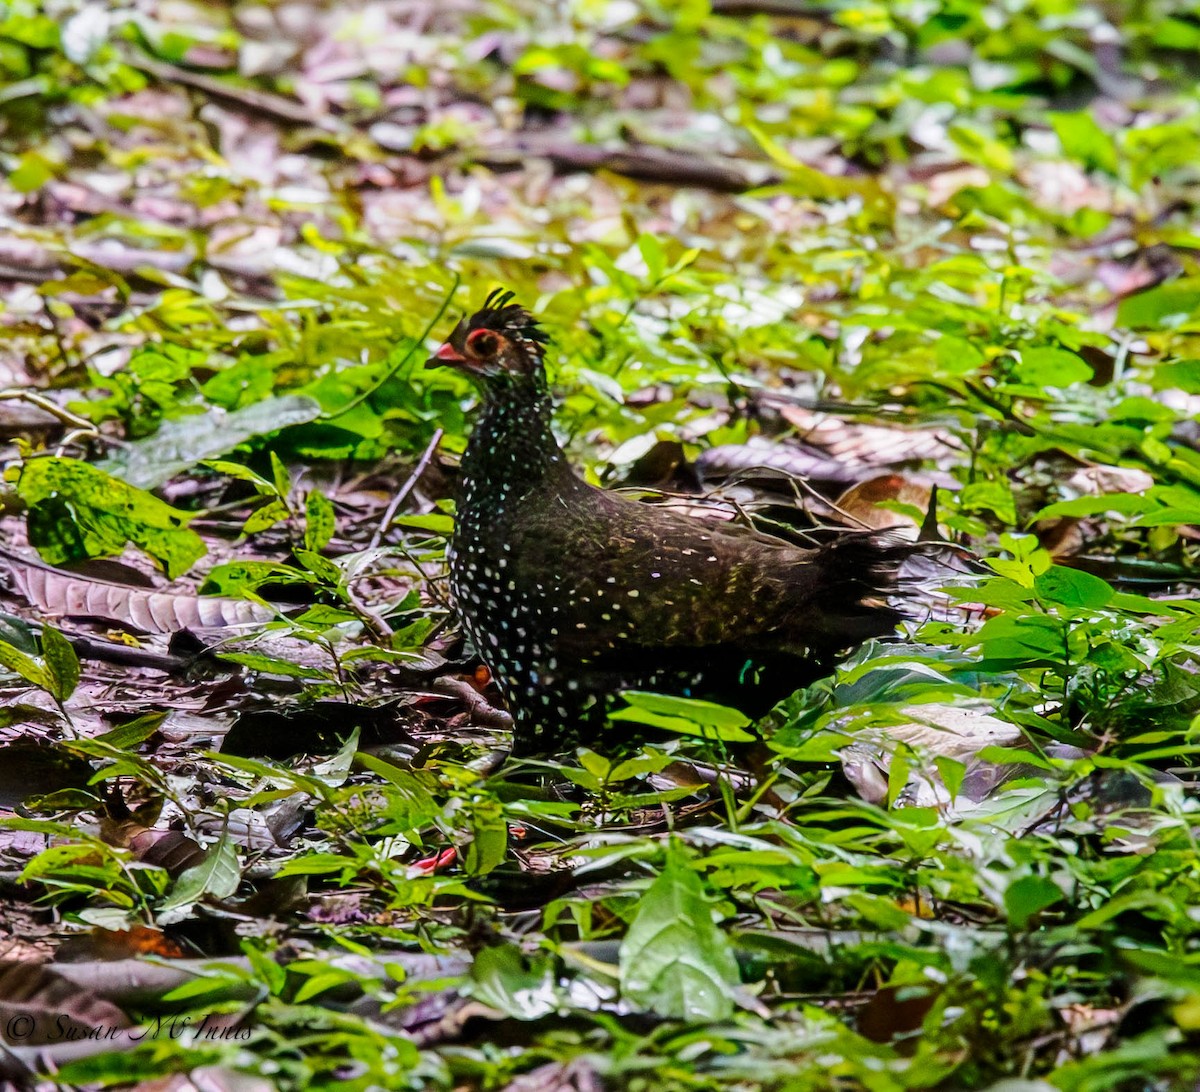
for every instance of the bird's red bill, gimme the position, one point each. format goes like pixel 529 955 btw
pixel 447 354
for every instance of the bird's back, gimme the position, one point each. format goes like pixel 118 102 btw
pixel 573 594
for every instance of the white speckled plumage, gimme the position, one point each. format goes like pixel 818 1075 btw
pixel 571 594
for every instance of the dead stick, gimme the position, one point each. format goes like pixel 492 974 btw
pixel 405 489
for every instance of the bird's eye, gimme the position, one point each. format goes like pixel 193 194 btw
pixel 483 343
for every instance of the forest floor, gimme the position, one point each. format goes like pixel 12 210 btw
pixel 881 264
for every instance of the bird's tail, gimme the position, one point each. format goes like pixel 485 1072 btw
pixel 870 582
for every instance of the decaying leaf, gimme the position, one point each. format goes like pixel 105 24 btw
pixel 933 731
pixel 38 1006
pixel 906 500
pixel 57 593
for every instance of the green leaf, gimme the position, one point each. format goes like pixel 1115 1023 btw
pixel 31 670
pixel 489 838
pixel 1083 140
pixel 319 521
pixel 952 773
pixel 272 665
pixel 688 716
pixel 242 473
pixel 1125 503
pixel 1072 588
pixel 61 663
pixel 1051 368
pixel 217 876
pixel 321 567
pixel 76 511
pixel 32 172
pixel 503 978
pixel 1164 307
pixel 268 515
pixel 280 476
pixel 434 521
pixel 238 577
pixel 1028 896
pixel 134 732
pixel 674 961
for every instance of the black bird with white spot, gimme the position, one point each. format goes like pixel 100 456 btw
pixel 572 594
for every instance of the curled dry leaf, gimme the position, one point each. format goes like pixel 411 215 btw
pixel 724 460
pixel 862 502
pixel 1099 481
pixel 932 731
pixel 171 850
pixel 57 593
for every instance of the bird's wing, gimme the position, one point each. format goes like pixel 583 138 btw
pixel 616 568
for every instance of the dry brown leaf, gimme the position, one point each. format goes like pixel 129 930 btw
pixel 724 460
pixel 862 502
pixel 37 1006
pixel 869 445
pixel 58 593
pixel 168 849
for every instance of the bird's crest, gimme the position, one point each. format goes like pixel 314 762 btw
pixel 499 313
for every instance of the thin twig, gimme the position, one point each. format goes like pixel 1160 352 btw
pixel 81 425
pixel 113 652
pixel 405 489
pixel 374 621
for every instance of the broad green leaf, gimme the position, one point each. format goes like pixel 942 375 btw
pixel 489 838
pixel 132 733
pixel 1072 588
pixel 319 522
pixel 1163 307
pixel 688 716
pixel 33 671
pixel 674 961
pixel 507 980
pixel 1083 140
pixel 76 511
pixel 61 663
pixel 238 577
pixel 1124 503
pixel 1051 368
pixel 217 876
pixel 1028 896
pixel 268 515
pixel 951 772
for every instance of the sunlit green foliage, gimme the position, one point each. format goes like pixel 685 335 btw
pixel 931 185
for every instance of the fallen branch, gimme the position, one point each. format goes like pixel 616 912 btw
pixel 643 162
pixel 246 98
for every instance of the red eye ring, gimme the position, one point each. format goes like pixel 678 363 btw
pixel 483 342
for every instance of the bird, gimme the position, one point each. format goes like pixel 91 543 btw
pixel 572 594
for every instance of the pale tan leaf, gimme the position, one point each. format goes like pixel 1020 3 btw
pixel 58 593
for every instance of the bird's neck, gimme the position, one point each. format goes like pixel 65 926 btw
pixel 512 447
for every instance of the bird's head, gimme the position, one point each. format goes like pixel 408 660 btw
pixel 502 340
